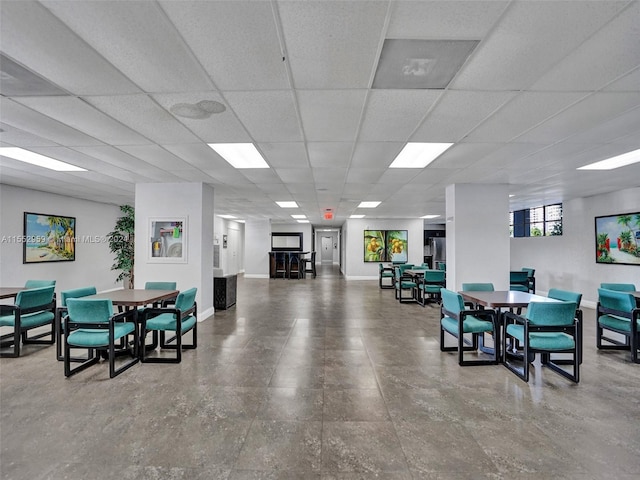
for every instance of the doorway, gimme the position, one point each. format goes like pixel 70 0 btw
pixel 326 253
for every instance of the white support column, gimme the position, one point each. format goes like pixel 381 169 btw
pixel 257 237
pixel 193 201
pixel 477 235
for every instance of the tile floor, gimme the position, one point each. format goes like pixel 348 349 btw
pixel 319 379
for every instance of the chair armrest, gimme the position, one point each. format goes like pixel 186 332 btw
pixel 8 309
pixel 516 318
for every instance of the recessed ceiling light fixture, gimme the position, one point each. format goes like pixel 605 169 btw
pixel 356 216
pixel 419 155
pixel 368 204
pixel 240 155
pixel 226 216
pixel 38 160
pixel 287 204
pixel 298 216
pixel 302 221
pixel 430 216
pixel 614 162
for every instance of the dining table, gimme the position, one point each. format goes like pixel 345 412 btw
pixel 10 292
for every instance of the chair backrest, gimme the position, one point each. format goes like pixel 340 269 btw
pixel 565 296
pixel 39 283
pixel 442 266
pixel 616 300
pixel 551 313
pixel 89 310
pixel 519 277
pixel 399 269
pixel 35 297
pixel 477 287
pixel 186 299
pixel 160 286
pixel 434 276
pixel 451 301
pixel 76 293
pixel 619 287
pixel 530 271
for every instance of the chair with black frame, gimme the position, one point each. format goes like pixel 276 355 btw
pixel 404 282
pixel 33 308
pixel 295 267
pixel 162 286
pixel 547 328
pixel 429 285
pixel 91 323
pixel 619 287
pixel 519 281
pixel 477 287
pixel 567 296
pixel 617 312
pixel 531 272
pixel 309 265
pixel 62 310
pixel 385 273
pixel 460 322
pixel 39 283
pixel 281 264
pixel 178 321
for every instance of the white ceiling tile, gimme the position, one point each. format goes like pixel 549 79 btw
pixel 14 136
pixel 295 175
pixel 516 53
pixel 236 61
pixel 50 49
pixel 194 175
pixel 627 83
pixel 330 154
pixel 375 154
pixel 261 175
pixel 627 124
pixel 285 155
pixel 350 32
pixel 305 185
pixel 393 115
pixel 462 155
pixel 457 113
pixel 142 114
pixel 364 175
pixel 432 176
pixel 157 156
pixel 331 115
pixel 268 116
pixel 335 176
pixel 199 155
pixel 140 41
pixel 399 175
pixel 85 118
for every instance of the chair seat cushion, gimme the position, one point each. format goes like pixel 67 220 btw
pixel 519 288
pixel 615 322
pixel 88 338
pixel 167 321
pixel 543 340
pixel 30 320
pixel 430 288
pixel 470 325
pixel 386 274
pixel 408 285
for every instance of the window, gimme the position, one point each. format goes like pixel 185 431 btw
pixel 536 222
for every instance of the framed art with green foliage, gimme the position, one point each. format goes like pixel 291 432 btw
pixel 618 239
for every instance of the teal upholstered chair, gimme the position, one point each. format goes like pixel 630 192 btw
pixel 531 272
pixel 617 312
pixel 62 310
pixel 404 282
pixel 442 266
pixel 33 308
pixel 519 281
pixel 385 273
pixel 619 287
pixel 177 320
pixel 90 323
pixel 477 287
pixel 461 323
pixel 428 287
pixel 547 328
pixel 39 283
pixel 568 296
pixel 162 286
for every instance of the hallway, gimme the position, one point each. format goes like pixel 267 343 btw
pixel 319 379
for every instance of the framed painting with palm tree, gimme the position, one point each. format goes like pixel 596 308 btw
pixel 618 239
pixel 48 238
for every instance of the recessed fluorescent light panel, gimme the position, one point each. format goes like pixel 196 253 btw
pixel 226 216
pixel 368 204
pixel 430 216
pixel 356 216
pixel 240 155
pixel 287 204
pixel 614 162
pixel 419 155
pixel 38 160
pixel 302 221
pixel 298 216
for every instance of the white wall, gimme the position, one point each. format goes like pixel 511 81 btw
pixel 305 228
pixel 354 266
pixel 94 220
pixel 568 261
pixel 221 227
pixel 257 241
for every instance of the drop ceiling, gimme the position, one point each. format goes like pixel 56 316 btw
pixel 548 86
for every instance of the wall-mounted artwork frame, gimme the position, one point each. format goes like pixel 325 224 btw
pixel 617 239
pixel 386 246
pixel 168 240
pixel 48 238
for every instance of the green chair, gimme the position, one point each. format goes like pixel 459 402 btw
pixel 383 273
pixel 460 322
pixel 519 281
pixel 477 287
pixel 532 279
pixel 428 287
pixel 162 286
pixel 33 308
pixel 442 266
pixel 90 323
pixel 619 287
pixel 178 320
pixel 617 312
pixel 39 283
pixel 62 310
pixel 547 328
pixel 567 296
pixel 404 282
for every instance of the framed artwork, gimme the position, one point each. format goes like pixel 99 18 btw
pixel 168 237
pixel 618 239
pixel 48 238
pixel 385 245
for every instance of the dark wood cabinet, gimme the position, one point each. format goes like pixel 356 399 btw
pixel 224 291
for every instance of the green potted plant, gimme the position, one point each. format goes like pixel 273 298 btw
pixel 121 242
